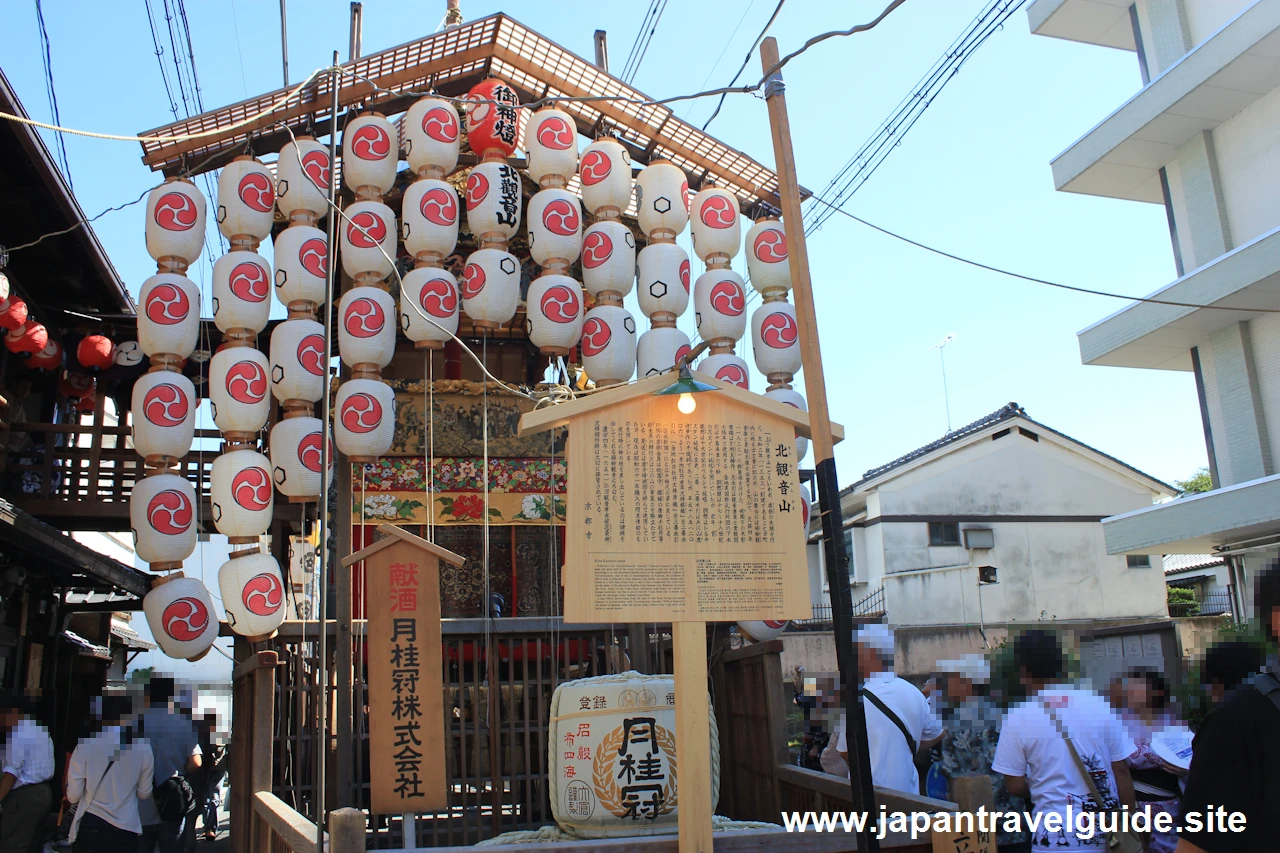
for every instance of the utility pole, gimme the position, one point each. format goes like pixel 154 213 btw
pixel 828 486
pixel 284 42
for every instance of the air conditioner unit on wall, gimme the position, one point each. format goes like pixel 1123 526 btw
pixel 979 537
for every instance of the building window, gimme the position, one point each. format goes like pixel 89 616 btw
pixel 943 533
pixel 1138 561
pixel 848 549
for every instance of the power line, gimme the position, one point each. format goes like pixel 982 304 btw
pixel 644 48
pixel 47 58
pixel 746 59
pixel 1033 279
pixel 724 49
pixel 635 45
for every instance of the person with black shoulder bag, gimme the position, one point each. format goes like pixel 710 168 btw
pixel 168 822
pixel 109 773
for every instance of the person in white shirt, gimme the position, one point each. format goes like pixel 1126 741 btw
pixel 892 742
pixel 109 773
pixel 1035 758
pixel 25 794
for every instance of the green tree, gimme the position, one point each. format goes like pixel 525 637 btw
pixel 1197 483
pixel 1183 602
pixel 141 676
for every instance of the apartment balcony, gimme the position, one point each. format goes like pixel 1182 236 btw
pixel 1101 22
pixel 1123 155
pixel 1199 524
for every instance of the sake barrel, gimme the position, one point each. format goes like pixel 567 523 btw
pixel 612 754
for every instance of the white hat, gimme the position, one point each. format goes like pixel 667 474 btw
pixel 876 635
pixel 974 667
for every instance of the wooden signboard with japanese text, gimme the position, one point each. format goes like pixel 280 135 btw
pixel 406 695
pixel 684 518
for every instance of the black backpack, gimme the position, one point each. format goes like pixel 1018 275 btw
pixel 175 798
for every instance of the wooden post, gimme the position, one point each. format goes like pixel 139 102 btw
pixel 693 736
pixel 343 663
pixel 828 486
pixel 346 831
pixel 264 706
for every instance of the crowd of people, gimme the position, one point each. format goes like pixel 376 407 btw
pixel 137 783
pixel 1059 747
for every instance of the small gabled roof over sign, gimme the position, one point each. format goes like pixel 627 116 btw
pixel 559 415
pixel 395 536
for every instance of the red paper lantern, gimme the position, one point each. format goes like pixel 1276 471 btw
pixel 49 358
pixel 493 124
pixel 96 352
pixel 13 312
pixel 75 386
pixel 28 339
pixel 87 403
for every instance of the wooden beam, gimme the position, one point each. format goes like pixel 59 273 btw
pixel 693 736
pixel 249 666
pixel 738 841
pixel 399 534
pixel 298 833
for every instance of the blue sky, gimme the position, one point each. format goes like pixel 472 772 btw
pixel 973 177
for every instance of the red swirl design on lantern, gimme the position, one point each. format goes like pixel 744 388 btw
pixel 309 451
pixel 256 192
pixel 314 257
pixel 311 354
pixel 684 195
pixel 440 206
pixel 477 189
pixel 263 594
pixel 771 246
pixel 554 132
pixel 250 282
pixel 472 281
pixel 246 382
pixel 167 305
pixel 561 217
pixel 169 512
pixel 361 413
pixel 185 619
pixel 682 352
pixel 779 331
pixel 371 142
pixel 439 298
pixel 315 165
pixel 441 124
pixel 684 274
pixel 733 373
pixel 165 405
pixel 176 212
pixel 251 489
pixel 364 318
pixel 727 298
pixel 559 304
pixel 366 230
pixel 595 167
pixel 596 249
pixel 718 212
pixel 595 336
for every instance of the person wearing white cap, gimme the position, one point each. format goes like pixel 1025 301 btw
pixel 899 722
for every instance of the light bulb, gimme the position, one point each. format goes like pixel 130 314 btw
pixel 686 404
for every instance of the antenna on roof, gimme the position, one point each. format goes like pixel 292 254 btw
pixel 941 347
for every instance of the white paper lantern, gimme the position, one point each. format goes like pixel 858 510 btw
pixel 430 219
pixel 555 227
pixel 767 257
pixel 239 390
pixel 727 367
pixel 162 513
pixel 792 398
pixel 716 223
pixel 555 313
pixel 775 340
pixel 181 617
pixel 609 344
pixel 246 201
pixel 551 141
pixel 608 258
pixel 298 361
pixel 432 136
pixel 364 419
pixel 296 451
pixel 367 327
pixel 241 495
pixel 4 287
pixel 368 240
pixel 659 349
pixel 241 291
pixel 252 594
pixel 175 223
pixel 493 200
pixel 369 155
pixel 168 315
pixel 302 263
pixel 605 172
pixel 164 415
pixel 662 198
pixel 434 292
pixel 761 631
pixel 302 180
pixel 720 300
pixel 491 287
pixel 663 270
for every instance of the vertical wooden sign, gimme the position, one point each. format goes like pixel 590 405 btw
pixel 406 679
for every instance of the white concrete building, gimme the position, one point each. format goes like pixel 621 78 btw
pixel 1004 493
pixel 1202 138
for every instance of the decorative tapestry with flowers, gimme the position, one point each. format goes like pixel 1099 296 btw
pixel 521 491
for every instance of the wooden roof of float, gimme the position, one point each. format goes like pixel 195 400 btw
pixel 451 62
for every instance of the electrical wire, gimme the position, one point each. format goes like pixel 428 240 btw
pixel 746 59
pixel 644 48
pixel 724 50
pixel 47 58
pixel 1033 279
